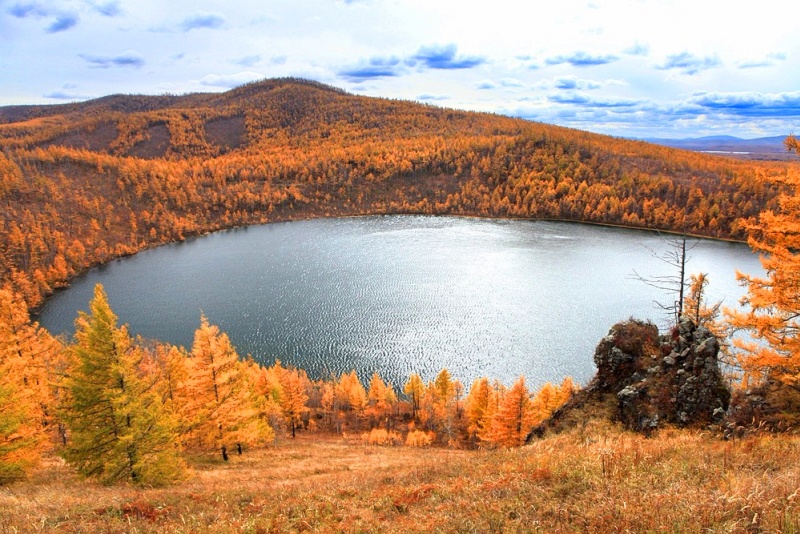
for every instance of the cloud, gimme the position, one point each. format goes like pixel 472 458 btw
pixel 444 57
pixel 750 104
pixel 230 81
pixel 63 22
pixel 109 9
pixel 582 99
pixel 581 59
pixel 770 61
pixel 511 82
pixel 486 85
pixel 573 82
pixel 689 64
pixel 431 97
pixel 65 95
pixel 202 20
pixel 32 9
pixel 637 49
pixel 247 61
pixel 427 57
pixel 127 59
pixel 376 67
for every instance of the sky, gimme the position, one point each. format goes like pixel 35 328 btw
pixel 628 68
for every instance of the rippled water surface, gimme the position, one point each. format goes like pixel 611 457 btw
pixel 401 294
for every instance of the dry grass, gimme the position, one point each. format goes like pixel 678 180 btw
pixel 592 479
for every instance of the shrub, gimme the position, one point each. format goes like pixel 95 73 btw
pixel 418 438
pixel 379 436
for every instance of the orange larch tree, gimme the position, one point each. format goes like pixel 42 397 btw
pixel 514 418
pixel 222 396
pixel 27 357
pixel 772 316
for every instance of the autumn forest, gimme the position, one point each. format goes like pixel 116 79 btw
pixel 84 183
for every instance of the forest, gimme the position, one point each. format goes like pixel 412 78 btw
pixel 84 183
pixel 81 184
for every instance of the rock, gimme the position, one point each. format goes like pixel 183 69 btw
pixel 645 381
pixel 685 388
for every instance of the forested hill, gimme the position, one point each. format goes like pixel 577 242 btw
pixel 86 182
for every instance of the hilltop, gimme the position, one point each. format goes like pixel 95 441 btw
pixel 87 182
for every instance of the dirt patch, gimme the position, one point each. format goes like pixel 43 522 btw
pixel 229 133
pixel 155 144
pixel 97 139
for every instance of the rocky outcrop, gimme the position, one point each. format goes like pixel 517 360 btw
pixel 646 380
pixel 672 379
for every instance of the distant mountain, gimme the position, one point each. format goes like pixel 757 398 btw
pixel 758 148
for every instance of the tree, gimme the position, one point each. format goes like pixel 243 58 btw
pixel 479 409
pixel 381 400
pixel 674 284
pixel 222 398
pixel 294 397
pixel 773 315
pixel 514 418
pixel 117 426
pixel 28 355
pixel 414 388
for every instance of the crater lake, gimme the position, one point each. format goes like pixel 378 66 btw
pixel 403 294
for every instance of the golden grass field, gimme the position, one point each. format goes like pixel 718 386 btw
pixel 594 478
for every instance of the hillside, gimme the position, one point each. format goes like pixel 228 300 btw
pixel 596 478
pixel 84 183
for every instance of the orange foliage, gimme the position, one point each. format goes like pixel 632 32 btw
pixel 774 301
pixel 83 183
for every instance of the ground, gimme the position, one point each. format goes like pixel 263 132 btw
pixel 593 478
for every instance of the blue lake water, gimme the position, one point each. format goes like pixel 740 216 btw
pixel 402 294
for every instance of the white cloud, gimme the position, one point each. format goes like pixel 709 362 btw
pixel 230 80
pixel 563 61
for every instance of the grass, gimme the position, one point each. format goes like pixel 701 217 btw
pixel 595 478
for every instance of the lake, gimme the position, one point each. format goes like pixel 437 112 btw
pixel 403 294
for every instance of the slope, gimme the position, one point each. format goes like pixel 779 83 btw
pixel 84 183
pixel 592 479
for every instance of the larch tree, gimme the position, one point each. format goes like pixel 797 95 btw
pixel 414 388
pixel 351 393
pixel 479 409
pixel 381 400
pixel 223 400
pixel 514 418
pixel 772 317
pixel 696 306
pixel 117 426
pixel 294 401
pixel 28 358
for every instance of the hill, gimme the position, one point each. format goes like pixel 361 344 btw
pixel 87 182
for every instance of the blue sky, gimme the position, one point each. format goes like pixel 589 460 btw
pixel 640 68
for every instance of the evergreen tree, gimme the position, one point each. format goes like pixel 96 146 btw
pixel 118 428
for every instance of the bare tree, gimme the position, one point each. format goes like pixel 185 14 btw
pixel 676 256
